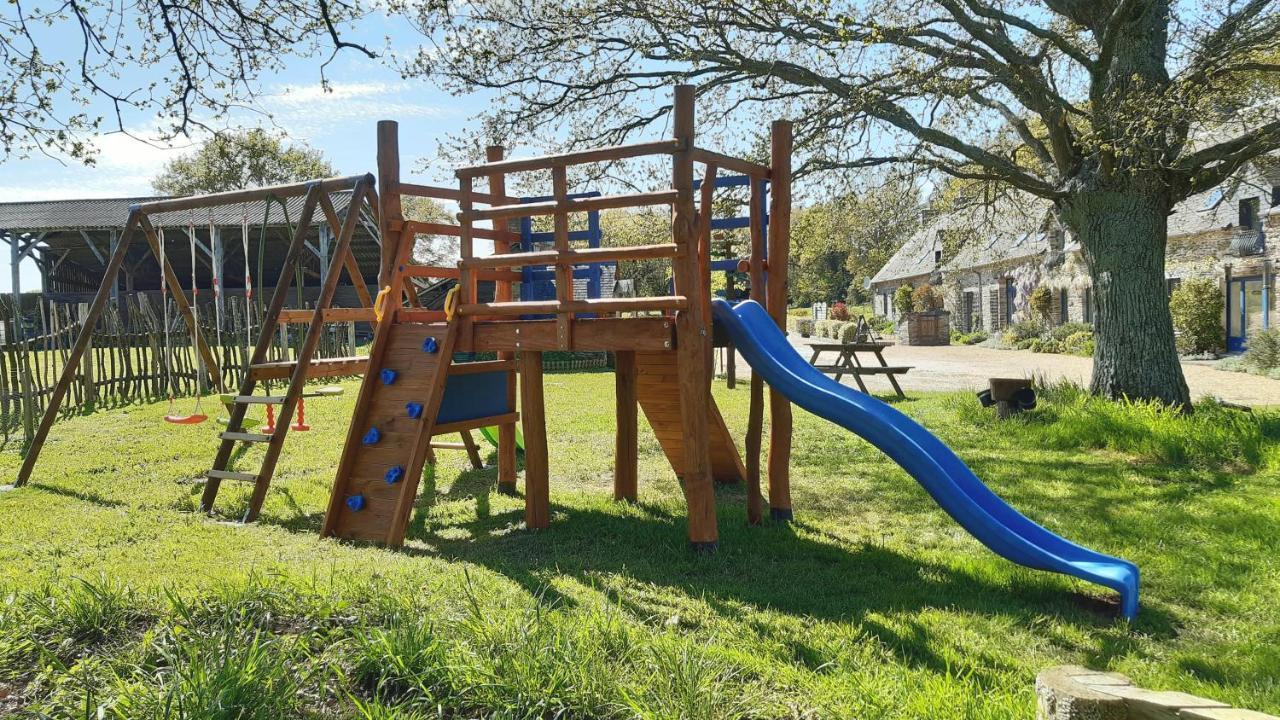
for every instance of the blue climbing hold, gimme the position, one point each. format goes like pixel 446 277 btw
pixel 414 410
pixel 394 475
pixel 356 503
pixel 372 437
pixel 430 345
pixel 388 376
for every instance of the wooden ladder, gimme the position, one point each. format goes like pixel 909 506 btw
pixel 235 432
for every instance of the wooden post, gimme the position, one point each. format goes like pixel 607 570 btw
pixel 23 355
pixel 692 338
pixel 88 379
pixel 503 293
pixel 779 247
pixel 755 413
pixel 564 271
pixel 537 488
pixel 77 350
pixel 390 212
pixel 626 450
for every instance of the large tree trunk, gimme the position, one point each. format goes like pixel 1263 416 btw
pixel 1123 233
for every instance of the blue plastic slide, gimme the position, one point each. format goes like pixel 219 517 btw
pixel 944 475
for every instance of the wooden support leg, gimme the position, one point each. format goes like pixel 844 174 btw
pixel 537 489
pixel 626 451
pixel 779 457
pixel 755 432
pixel 473 452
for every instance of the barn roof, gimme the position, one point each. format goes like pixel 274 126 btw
pixel 111 213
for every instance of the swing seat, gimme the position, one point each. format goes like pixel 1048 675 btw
pixel 195 419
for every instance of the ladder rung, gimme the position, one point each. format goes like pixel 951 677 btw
pixel 246 437
pixel 259 399
pixel 232 475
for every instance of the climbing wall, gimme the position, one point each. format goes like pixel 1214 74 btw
pixel 377 478
pixel 658 390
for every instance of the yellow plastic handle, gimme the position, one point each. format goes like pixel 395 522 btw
pixel 379 303
pixel 451 302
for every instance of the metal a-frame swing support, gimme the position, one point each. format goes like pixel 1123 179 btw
pixel 139 222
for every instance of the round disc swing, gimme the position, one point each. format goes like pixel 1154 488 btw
pixel 196 417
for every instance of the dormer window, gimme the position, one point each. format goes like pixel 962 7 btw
pixel 1249 208
pixel 937 256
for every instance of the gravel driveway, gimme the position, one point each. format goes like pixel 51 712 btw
pixel 964 367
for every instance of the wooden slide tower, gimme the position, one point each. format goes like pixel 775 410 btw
pixel 662 344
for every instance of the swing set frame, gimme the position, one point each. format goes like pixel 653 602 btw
pixel 316 193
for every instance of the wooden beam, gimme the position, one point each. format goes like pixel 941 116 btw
pixel 590 335
pixel 779 246
pixel 72 361
pixel 302 317
pixel 572 256
pixel 237 197
pixel 563 270
pixel 582 157
pixel 415 227
pixel 537 487
pixel 626 436
pixel 503 292
pixel 755 412
pixel 493 197
pixel 349 258
pixel 662 303
pixel 732 164
pixel 692 339
pixel 390 210
pixel 572 205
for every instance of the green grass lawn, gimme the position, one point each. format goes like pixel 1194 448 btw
pixel 115 594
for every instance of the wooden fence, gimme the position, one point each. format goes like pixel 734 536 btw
pixel 127 361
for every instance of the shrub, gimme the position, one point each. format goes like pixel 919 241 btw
pixel 926 298
pixel 849 333
pixel 902 301
pixel 839 311
pixel 1041 302
pixel 1020 332
pixel 973 338
pixel 1066 330
pixel 829 329
pixel 801 326
pixel 1197 306
pixel 882 324
pixel 1078 343
pixel 1264 350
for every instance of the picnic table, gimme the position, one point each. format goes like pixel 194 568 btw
pixel 848 363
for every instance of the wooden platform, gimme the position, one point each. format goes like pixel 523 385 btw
pixel 658 392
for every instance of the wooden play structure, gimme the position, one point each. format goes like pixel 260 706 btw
pixel 662 345
pixel 421 380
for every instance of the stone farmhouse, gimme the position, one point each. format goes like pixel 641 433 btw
pixel 988 259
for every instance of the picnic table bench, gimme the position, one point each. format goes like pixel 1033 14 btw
pixel 848 363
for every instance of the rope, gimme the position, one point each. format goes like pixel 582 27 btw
pixel 248 276
pixel 195 312
pixel 217 286
pixel 164 304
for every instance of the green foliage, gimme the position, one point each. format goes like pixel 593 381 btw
pixel 1197 305
pixel 241 159
pixel 1021 332
pixel 926 298
pixel 1041 302
pixel 903 301
pixel 1066 330
pixel 849 333
pixel 1263 352
pixel 801 326
pixel 1079 343
pixel 645 226
pixel 971 338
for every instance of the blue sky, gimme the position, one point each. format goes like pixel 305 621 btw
pixel 340 123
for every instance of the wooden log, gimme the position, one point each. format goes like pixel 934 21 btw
pixel 503 292
pixel 416 227
pixel 626 448
pixel 779 246
pixel 590 334
pixel 237 197
pixel 330 315
pixel 573 256
pixel 390 210
pixel 692 338
pixel 732 164
pixel 537 488
pixel 349 259
pixel 582 157
pixel 571 205
pixel 77 351
pixel 473 452
pixel 493 197
pixel 563 270
pixel 664 303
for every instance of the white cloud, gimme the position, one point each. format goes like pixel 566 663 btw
pixel 125 165
pixel 310 111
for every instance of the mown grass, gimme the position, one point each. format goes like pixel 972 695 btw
pixel 116 598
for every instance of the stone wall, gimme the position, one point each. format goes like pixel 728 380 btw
pixel 1071 692
pixel 926 328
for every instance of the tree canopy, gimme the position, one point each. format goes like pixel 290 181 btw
pixel 72 70
pixel 233 160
